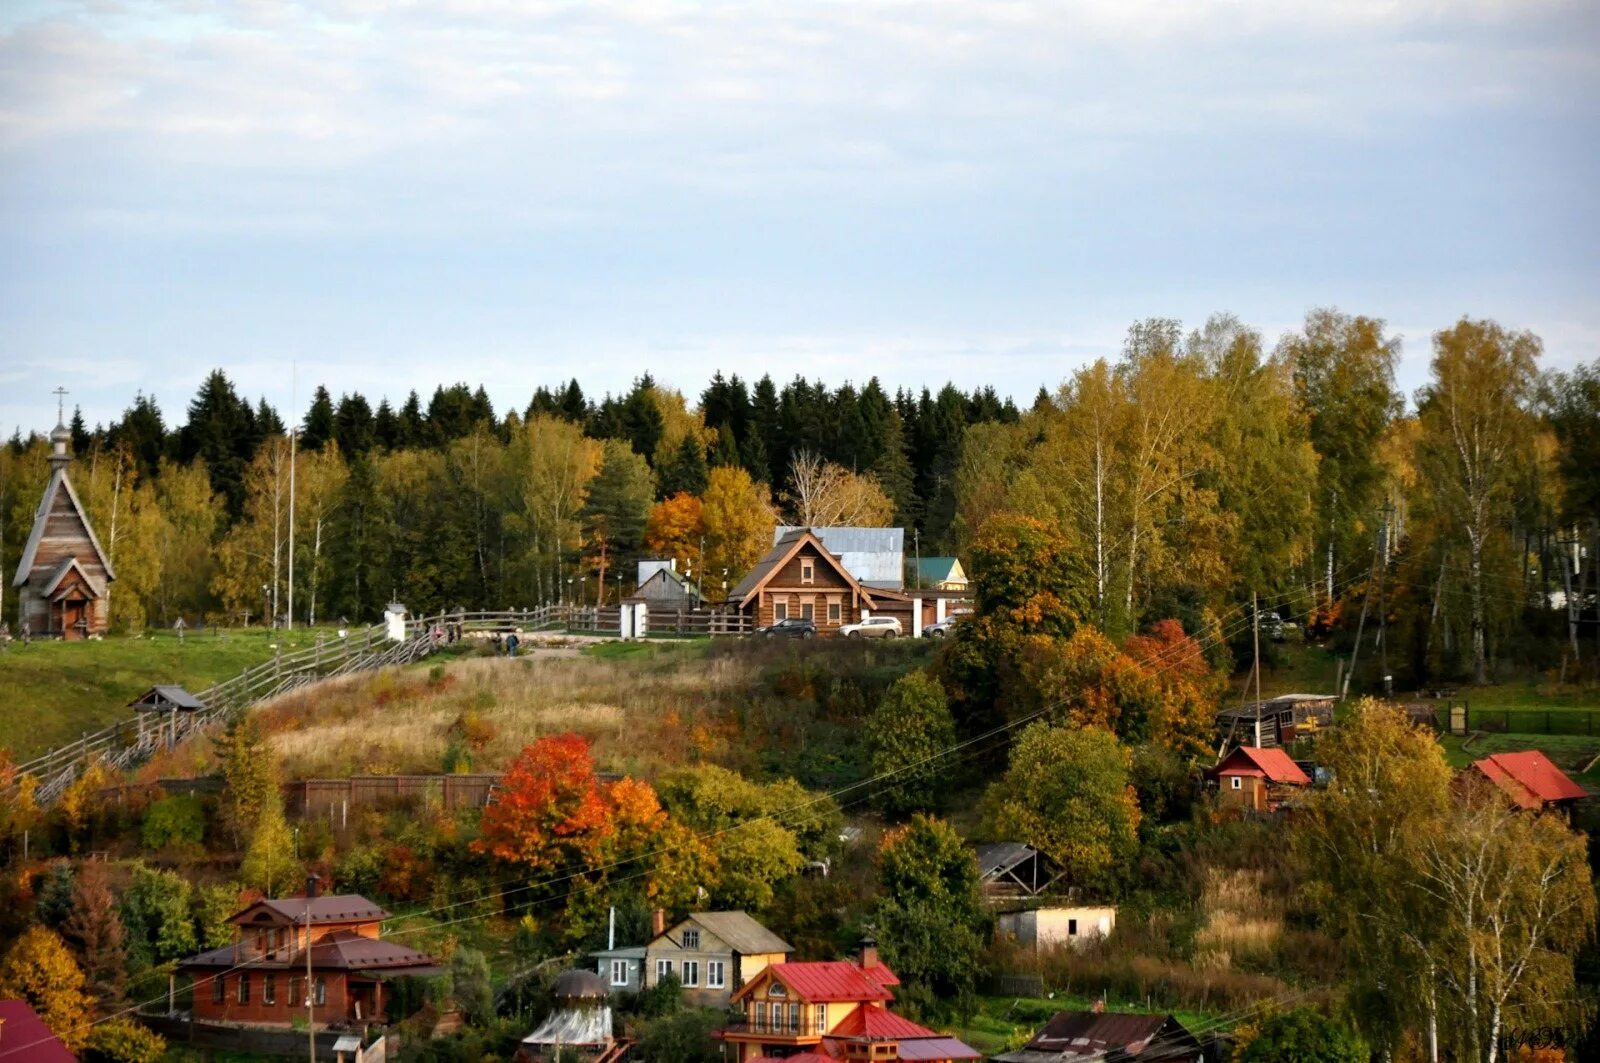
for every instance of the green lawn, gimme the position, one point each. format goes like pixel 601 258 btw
pixel 1005 1022
pixel 55 691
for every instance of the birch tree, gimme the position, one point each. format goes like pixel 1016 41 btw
pixel 254 553
pixel 319 489
pixel 824 495
pixel 551 464
pixel 1475 431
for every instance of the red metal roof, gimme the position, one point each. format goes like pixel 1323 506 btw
pixel 874 1021
pixel 933 1049
pixel 24 1038
pixel 833 980
pixel 1529 778
pixel 1273 764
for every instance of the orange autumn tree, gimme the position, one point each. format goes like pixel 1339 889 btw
pixel 585 840
pixel 673 529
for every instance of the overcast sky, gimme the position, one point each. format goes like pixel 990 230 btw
pixel 511 192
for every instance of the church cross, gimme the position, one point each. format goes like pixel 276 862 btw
pixel 61 398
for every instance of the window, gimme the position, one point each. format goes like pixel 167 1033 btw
pixel 619 972
pixel 808 572
pixel 244 987
pixel 716 974
pixel 776 989
pixel 1236 782
pixel 269 989
pixel 691 939
pixel 834 612
pixel 219 989
pixel 1072 928
pixel 320 992
pixel 806 611
pixel 663 969
pixel 819 1015
pixel 691 972
pixel 794 1018
pixel 780 610
pixel 294 992
pixel 761 1014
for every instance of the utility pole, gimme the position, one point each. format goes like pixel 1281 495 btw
pixel 1366 600
pixel 1383 598
pixel 293 435
pixel 1255 615
pixel 311 1013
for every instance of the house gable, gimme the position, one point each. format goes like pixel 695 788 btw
pixel 781 566
pixel 61 529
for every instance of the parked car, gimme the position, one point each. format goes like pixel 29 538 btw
pixel 793 628
pixel 944 628
pixel 873 627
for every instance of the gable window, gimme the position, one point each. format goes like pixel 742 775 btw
pixel 663 969
pixel 619 972
pixel 776 989
pixel 269 988
pixel 808 571
pixel 244 987
pixel 691 939
pixel 691 972
pixel 716 974
pixel 219 989
pixel 1236 782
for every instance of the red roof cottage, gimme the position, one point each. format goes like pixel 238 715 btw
pixel 261 977
pixel 1530 780
pixel 1257 778
pixel 831 1011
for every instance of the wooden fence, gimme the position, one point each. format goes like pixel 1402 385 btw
pixel 125 744
pixel 335 797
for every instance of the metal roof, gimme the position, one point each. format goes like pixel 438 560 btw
pixel 1072 1035
pixel 874 556
pixel 27 1039
pixel 1530 778
pixel 742 933
pixel 1002 856
pixel 1272 763
pixel 163 697
pixel 834 980
pixel 334 908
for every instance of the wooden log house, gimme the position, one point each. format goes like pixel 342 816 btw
pixel 64 577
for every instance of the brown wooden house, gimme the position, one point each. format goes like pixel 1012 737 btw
pixel 64 576
pixel 800 578
pixel 261 979
pixel 1258 779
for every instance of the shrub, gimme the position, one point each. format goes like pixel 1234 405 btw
pixel 359 871
pixel 174 820
pixel 121 1040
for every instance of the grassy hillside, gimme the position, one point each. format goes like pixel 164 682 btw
pixel 55 691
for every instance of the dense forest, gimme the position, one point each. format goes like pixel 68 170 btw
pixel 1191 471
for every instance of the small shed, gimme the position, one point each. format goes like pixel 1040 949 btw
pixel 664 587
pixel 1013 869
pixel 1043 928
pixel 1530 780
pixel 1277 721
pixel 164 712
pixel 1255 778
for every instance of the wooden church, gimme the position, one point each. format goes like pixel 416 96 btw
pixel 64 576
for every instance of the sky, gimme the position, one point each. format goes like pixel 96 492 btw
pixel 380 196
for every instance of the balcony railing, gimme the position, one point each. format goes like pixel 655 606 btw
pixel 777 1027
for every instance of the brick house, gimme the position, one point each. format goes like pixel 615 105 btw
pixel 1257 779
pixel 834 1010
pixel 261 978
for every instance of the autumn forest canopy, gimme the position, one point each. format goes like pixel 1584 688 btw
pixel 1185 473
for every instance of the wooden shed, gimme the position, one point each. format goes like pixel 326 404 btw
pixel 165 712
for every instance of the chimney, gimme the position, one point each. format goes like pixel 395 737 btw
pixel 869 952
pixel 658 922
pixel 311 886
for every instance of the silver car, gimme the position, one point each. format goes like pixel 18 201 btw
pixel 873 627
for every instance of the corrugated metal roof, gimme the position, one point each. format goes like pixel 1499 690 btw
pixel 875 1021
pixel 832 980
pixel 163 697
pixel 929 1049
pixel 1274 763
pixel 1529 778
pixel 874 556
pixel 764 567
pixel 1071 1035
pixel 333 908
pixel 1002 856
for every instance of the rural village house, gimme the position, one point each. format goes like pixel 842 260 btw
pixel 711 954
pixel 1257 779
pixel 1276 721
pixel 1530 780
pixel 665 588
pixel 261 977
pixel 941 574
pixel 1112 1037
pixel 831 1011
pixel 1039 929
pixel 64 578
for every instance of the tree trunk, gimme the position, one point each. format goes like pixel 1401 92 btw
pixel 1480 663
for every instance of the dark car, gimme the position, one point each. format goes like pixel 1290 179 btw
pixel 793 628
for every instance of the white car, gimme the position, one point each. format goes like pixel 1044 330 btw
pixel 873 627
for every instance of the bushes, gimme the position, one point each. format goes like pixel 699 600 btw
pixel 174 821
pixel 121 1040
pixel 1167 983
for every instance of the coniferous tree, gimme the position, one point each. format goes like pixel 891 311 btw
pixel 142 432
pixel 95 929
pixel 353 425
pixel 761 449
pixel 80 434
pixel 687 470
pixel 574 407
pixel 318 426
pixel 222 430
pixel 412 425
pixel 386 426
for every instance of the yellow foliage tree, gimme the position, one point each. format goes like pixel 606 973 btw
pixel 738 523
pixel 39 969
